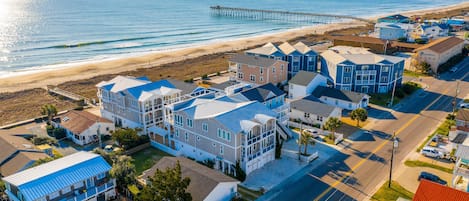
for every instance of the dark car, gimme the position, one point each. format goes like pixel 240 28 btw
pixel 431 177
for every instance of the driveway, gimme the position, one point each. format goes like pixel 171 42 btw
pixel 408 177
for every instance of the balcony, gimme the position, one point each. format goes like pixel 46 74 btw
pixel 365 82
pixel 283 108
pixel 268 148
pixel 253 156
pixel 462 168
pixel 254 139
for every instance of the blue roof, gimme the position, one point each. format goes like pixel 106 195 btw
pixel 455 21
pixel 108 87
pixel 50 177
pixel 137 91
pixel 144 78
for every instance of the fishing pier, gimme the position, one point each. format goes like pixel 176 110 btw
pixel 287 16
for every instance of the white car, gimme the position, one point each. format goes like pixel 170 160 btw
pixel 464 105
pixel 431 152
pixel 312 132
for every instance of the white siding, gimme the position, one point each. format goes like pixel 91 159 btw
pixel 223 192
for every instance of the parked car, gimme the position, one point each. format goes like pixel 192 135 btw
pixel 464 105
pixel 431 177
pixel 312 132
pixel 453 69
pixel 432 152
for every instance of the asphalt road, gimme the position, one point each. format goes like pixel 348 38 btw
pixel 356 171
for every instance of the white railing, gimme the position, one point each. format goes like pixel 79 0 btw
pixel 310 157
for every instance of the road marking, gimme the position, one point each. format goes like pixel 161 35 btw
pixel 379 147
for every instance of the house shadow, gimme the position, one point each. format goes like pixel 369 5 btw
pixel 418 102
pixel 362 136
pixel 376 113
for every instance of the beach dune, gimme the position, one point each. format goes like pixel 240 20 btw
pixel 88 70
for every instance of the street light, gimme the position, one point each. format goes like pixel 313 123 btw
pixel 394 146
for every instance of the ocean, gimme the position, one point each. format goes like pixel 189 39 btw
pixel 43 34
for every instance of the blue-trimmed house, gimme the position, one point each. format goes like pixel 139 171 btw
pixel 300 57
pixel 80 176
pixel 357 69
pixel 394 31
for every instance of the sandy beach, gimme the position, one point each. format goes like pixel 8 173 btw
pixel 89 70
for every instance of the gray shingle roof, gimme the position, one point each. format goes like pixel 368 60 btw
pixel 253 60
pixel 312 105
pixel 262 93
pixel 349 96
pixel 185 87
pixel 203 179
pixel 303 78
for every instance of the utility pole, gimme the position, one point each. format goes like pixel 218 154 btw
pixel 394 145
pixel 393 90
pixel 455 96
pixel 99 136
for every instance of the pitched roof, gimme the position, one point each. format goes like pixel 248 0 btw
pixel 10 143
pixel 186 88
pixel 349 96
pixel 431 191
pixel 253 60
pixel 227 112
pixel 267 49
pixel 356 55
pixel 303 78
pixel 286 48
pixel 395 17
pixel 302 48
pixel 78 121
pixel 391 25
pixel 262 93
pixel 312 105
pixel 20 161
pixel 50 177
pixel 120 83
pixel 203 179
pixel 138 92
pixel 463 115
pixel 442 44
pixel 360 39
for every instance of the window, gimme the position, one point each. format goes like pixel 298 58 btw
pixel 281 67
pixel 384 79
pixel 101 176
pixel 319 118
pixel 296 59
pixel 240 76
pixel 198 138
pixel 252 78
pixel 385 69
pixel 224 134
pixel 219 133
pixel 189 122
pixel 372 77
pixel 261 70
pixel 306 115
pixel 67 189
pixel 178 120
pixel 359 77
pixel 261 79
pixel 310 59
pixel 186 136
pixel 221 149
pixel 239 66
pixel 205 127
pixel 176 132
pixel 336 102
pixel 273 70
pixel 346 80
pixel 54 195
pixel 347 69
pixel 365 67
pixel 228 137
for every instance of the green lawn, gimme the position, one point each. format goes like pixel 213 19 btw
pixel 248 194
pixel 414 74
pixel 407 89
pixel 393 193
pixel 411 163
pixel 146 158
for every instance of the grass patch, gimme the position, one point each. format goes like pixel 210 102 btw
pixel 414 74
pixel 248 194
pixel 350 122
pixel 383 99
pixel 417 163
pixel 146 158
pixel 443 129
pixel 384 193
pixel 328 140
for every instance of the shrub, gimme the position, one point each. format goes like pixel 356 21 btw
pixel 49 130
pixel 191 80
pixel 209 163
pixel 451 117
pixel 59 133
pixel 402 39
pixel 43 140
pixel 78 108
pixel 218 73
pixel 420 41
pixel 205 76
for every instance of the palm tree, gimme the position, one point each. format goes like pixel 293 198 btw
pixel 305 140
pixel 50 111
pixel 359 114
pixel 332 124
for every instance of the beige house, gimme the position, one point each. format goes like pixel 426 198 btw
pixel 82 127
pixel 439 51
pixel 258 70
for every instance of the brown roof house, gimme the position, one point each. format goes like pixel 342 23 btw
pixel 206 183
pixel 258 70
pixel 83 127
pixel 439 51
pixel 17 153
